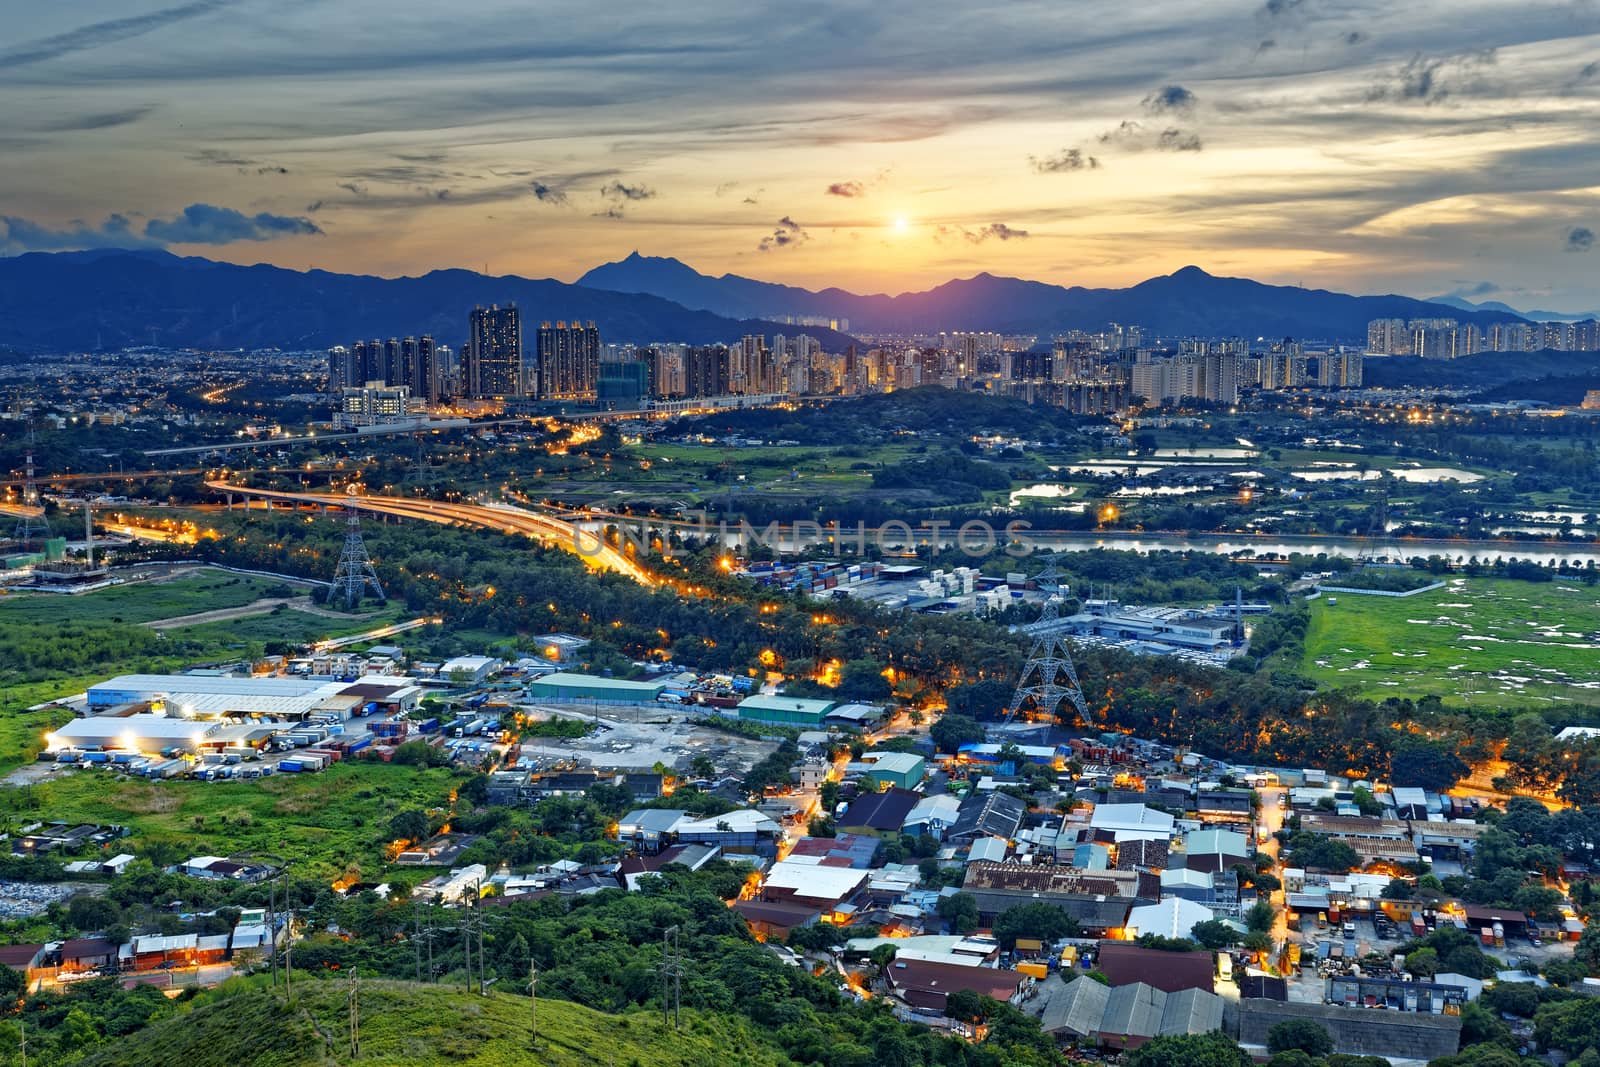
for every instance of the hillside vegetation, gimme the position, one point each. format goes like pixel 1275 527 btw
pixel 409 1025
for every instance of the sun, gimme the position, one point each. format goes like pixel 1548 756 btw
pixel 900 223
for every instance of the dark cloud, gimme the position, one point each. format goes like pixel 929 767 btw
pixel 725 188
pixel 314 207
pixel 243 164
pixel 999 231
pixel 1170 98
pixel 110 31
pixel 1127 130
pixel 548 194
pixel 1431 79
pixel 1136 137
pixel 847 189
pixel 354 188
pixel 1278 8
pixel 103 121
pixel 1266 44
pixel 1064 162
pixel 1579 239
pixel 610 213
pixel 1354 37
pixel 1589 71
pixel 788 232
pixel 203 224
pixel 1176 140
pixel 620 191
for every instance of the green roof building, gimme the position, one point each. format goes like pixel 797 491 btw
pixel 785 711
pixel 563 687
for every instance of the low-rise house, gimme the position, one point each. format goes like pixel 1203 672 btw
pixel 1127 1016
pixel 1124 963
pixel 993 814
pixel 1173 917
pixel 926 984
pixel 811 884
pixel 1129 822
pixel 878 813
pixel 933 816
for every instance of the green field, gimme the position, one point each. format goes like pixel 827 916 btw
pixel 408 1025
pixel 144 601
pixel 1476 641
pixel 323 823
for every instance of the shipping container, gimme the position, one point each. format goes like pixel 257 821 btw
pixel 357 745
pixel 1034 969
pixel 1486 935
pixel 290 766
pixel 427 726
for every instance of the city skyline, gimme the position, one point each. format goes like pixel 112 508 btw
pixel 1440 149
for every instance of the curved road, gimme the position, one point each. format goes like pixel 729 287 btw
pixel 507 519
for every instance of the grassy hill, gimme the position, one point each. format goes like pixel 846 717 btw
pixel 404 1024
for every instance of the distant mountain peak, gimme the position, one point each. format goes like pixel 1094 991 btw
pixel 1191 271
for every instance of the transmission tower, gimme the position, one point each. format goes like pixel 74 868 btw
pixel 533 1003
pixel 1377 545
pixel 31 526
pixel 420 465
pixel 671 977
pixel 355 575
pixel 355 1014
pixel 1048 676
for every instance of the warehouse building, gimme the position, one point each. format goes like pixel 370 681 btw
pixel 565 688
pixel 131 733
pixel 149 688
pixel 785 711
pixel 902 770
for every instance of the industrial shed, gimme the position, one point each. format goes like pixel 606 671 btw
pixel 785 711
pixel 563 687
pixel 131 733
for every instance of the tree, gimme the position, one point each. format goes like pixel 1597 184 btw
pixel 92 913
pixel 409 825
pixel 1397 889
pixel 960 910
pixel 1424 963
pixel 1307 1035
pixel 1189 1050
pixel 983 699
pixel 1042 922
pixel 1587 950
pixel 954 730
pixel 1571 1026
pixel 1214 934
pixel 1260 917
pixel 968 1006
pixel 1365 802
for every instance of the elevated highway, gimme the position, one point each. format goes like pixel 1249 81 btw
pixel 552 532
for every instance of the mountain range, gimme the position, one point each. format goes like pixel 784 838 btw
pixel 1497 305
pixel 1189 302
pixel 102 300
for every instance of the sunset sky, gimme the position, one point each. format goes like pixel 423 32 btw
pixel 1430 147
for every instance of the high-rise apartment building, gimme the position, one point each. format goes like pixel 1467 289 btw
pixel 494 353
pixel 707 371
pixel 568 360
